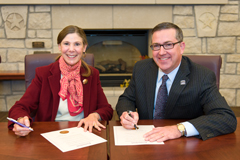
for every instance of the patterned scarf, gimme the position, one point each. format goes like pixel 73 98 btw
pixel 71 86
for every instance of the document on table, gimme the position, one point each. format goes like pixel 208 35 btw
pixel 72 138
pixel 124 137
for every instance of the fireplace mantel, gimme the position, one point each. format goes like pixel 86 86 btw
pixel 112 2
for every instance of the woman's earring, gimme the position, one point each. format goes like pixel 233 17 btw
pixel 84 54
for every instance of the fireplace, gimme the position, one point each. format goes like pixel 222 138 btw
pixel 116 52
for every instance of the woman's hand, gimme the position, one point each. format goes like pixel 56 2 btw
pixel 21 131
pixel 91 121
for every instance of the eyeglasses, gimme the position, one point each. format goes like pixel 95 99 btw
pixel 166 46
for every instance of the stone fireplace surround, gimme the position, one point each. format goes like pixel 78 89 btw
pixel 109 17
pixel 45 19
pixel 65 2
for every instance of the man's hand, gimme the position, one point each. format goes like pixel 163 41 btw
pixel 21 131
pixel 91 121
pixel 128 121
pixel 161 134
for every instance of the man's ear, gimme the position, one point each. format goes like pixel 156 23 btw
pixel 182 46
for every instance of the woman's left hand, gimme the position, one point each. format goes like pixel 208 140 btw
pixel 91 121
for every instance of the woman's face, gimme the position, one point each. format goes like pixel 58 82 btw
pixel 72 48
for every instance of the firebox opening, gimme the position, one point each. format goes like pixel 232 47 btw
pixel 115 57
pixel 116 52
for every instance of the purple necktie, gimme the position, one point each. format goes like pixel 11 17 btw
pixel 161 99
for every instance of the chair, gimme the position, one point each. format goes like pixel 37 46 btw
pixel 37 60
pixel 212 62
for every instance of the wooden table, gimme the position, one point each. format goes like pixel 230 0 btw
pixel 35 146
pixel 223 147
pixel 12 75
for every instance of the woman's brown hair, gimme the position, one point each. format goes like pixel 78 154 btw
pixel 75 29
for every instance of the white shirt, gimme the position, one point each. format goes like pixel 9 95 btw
pixel 190 129
pixel 64 115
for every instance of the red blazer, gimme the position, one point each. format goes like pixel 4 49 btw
pixel 42 98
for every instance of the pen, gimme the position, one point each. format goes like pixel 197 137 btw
pixel 129 113
pixel 20 124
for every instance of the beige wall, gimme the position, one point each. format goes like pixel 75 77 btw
pixel 108 17
pixel 113 2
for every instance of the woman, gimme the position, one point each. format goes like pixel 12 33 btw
pixel 66 90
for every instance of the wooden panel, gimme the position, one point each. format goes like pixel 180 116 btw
pixel 12 75
pixel 35 146
pixel 220 147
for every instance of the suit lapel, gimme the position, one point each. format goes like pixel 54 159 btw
pixel 54 82
pixel 86 92
pixel 151 77
pixel 177 86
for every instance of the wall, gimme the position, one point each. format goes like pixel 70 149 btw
pixel 65 2
pixel 208 29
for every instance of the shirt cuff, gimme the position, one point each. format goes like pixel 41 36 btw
pixel 190 129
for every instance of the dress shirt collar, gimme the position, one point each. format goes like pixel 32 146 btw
pixel 171 75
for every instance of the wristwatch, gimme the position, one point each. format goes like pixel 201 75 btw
pixel 181 128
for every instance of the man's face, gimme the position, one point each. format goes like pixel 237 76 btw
pixel 167 60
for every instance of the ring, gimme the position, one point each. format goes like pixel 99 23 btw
pixel 162 135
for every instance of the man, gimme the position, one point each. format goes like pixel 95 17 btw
pixel 191 92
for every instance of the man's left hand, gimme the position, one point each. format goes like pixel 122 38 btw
pixel 161 134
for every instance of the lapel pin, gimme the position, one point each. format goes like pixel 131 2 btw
pixel 182 82
pixel 85 81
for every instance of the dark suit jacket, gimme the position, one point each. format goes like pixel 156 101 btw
pixel 42 96
pixel 199 100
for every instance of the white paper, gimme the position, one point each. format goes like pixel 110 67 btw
pixel 76 138
pixel 124 137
